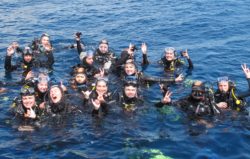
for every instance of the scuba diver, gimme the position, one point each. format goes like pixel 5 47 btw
pixel 226 95
pixel 26 106
pixel 104 56
pixel 129 99
pixel 127 55
pixel 172 63
pixel 90 70
pixel 100 98
pixel 26 63
pixel 199 103
pixel 87 60
pixel 130 73
pixel 41 89
pixel 80 83
pixel 43 52
pixel 57 103
pixel 87 66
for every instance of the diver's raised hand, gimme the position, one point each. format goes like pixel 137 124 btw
pixel 86 94
pixel 10 51
pixel 30 113
pixel 167 97
pixel 144 48
pixel 96 103
pixel 246 70
pixel 179 78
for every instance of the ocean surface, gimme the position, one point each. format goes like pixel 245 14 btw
pixel 216 34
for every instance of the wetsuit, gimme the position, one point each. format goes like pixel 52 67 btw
pixel 129 104
pixel 231 97
pixel 170 66
pixel 41 97
pixel 43 58
pixel 26 66
pixel 126 56
pixel 103 109
pixel 192 106
pixel 19 110
pixel 90 70
pixel 56 108
pixel 105 59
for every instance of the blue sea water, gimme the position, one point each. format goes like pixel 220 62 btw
pixel 216 33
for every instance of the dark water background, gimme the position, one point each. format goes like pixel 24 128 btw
pixel 217 34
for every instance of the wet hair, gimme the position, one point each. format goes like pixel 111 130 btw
pixel 198 85
pixel 102 79
pixel 73 81
pixel 133 48
pixel 78 69
pixel 128 62
pixel 169 49
pixel 57 86
pixel 45 35
pixel 104 41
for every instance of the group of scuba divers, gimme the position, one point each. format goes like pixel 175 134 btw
pixel 40 98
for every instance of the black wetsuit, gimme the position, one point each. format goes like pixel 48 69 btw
pixel 230 100
pixel 129 104
pixel 19 110
pixel 41 97
pixel 192 106
pixel 90 70
pixel 44 58
pixel 104 107
pixel 106 60
pixel 126 56
pixel 26 66
pixel 170 66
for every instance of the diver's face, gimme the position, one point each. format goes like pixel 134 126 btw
pixel 130 69
pixel 223 86
pixel 169 55
pixel 45 40
pixel 89 60
pixel 27 58
pixel 103 48
pixel 55 94
pixel 101 87
pixel 80 78
pixel 28 101
pixel 42 86
pixel 130 91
